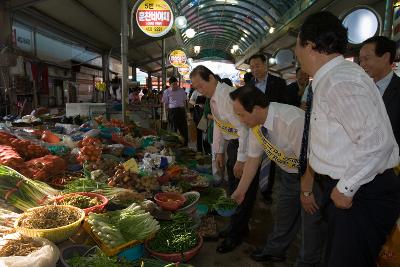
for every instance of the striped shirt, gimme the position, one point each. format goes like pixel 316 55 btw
pixel 351 138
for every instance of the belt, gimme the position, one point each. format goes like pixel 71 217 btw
pixel 177 108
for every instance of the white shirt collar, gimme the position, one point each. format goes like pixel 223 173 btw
pixel 384 82
pixel 269 122
pixel 325 69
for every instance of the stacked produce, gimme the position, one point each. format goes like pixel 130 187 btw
pixel 46 167
pixel 49 217
pixel 123 178
pixel 10 158
pixel 21 192
pixel 90 150
pixel 119 227
pixel 97 259
pixel 79 201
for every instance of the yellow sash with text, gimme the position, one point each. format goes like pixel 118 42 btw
pixel 272 151
pixel 227 128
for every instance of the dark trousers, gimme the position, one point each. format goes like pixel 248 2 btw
pixel 239 221
pixel 202 145
pixel 178 121
pixel 267 193
pixel 356 235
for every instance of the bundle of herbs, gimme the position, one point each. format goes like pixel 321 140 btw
pixel 22 192
pixel 49 217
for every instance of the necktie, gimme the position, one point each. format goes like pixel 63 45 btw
pixel 265 166
pixel 304 141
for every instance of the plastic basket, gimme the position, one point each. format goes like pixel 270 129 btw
pixel 96 209
pixel 55 235
pixel 107 250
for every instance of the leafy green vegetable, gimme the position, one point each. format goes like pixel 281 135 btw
pixel 98 259
pixel 210 196
pixel 225 203
pixel 83 185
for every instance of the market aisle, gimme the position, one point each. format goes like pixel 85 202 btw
pixel 261 225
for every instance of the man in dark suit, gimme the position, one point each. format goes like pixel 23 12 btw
pixel 377 55
pixel 296 89
pixel 275 90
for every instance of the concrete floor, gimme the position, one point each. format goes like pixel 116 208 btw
pixel 260 226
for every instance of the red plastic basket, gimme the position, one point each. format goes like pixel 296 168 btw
pixel 96 209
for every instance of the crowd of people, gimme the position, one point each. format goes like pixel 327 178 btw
pixel 332 141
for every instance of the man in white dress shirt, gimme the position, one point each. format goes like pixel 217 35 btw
pixel 351 145
pixel 233 134
pixel 281 126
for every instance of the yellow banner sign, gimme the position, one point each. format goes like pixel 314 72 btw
pixel 154 17
pixel 177 58
pixel 184 69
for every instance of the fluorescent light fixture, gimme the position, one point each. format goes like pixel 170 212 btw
pixel 190 33
pixel 181 22
pixel 271 30
pixel 232 51
pixel 235 47
pixel 196 49
pixel 232 2
pixel 201 6
pixel 243 39
pixel 245 31
pixel 272 61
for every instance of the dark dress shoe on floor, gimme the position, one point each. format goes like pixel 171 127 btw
pixel 228 245
pixel 260 256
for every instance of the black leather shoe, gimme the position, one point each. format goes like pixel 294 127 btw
pixel 228 245
pixel 259 256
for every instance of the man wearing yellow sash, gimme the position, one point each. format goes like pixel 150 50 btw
pixel 277 129
pixel 233 135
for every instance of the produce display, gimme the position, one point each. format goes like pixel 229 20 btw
pixel 174 237
pixel 49 217
pixel 22 246
pixel 115 228
pixel 126 164
pixel 46 167
pixel 79 201
pixel 90 150
pixel 225 203
pixel 21 192
pixel 97 259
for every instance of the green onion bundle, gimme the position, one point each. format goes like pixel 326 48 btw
pixel 22 192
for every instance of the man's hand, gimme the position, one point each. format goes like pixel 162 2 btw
pixel 220 160
pixel 238 195
pixel 238 169
pixel 340 200
pixel 309 204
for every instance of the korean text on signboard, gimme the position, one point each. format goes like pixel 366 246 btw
pixel 154 17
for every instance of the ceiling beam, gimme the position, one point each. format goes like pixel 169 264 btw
pixel 18 4
pixel 150 40
pixel 145 62
pixel 90 12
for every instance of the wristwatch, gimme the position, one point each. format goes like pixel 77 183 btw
pixel 306 193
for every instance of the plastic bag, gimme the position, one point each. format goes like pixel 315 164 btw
pixel 47 256
pixel 92 133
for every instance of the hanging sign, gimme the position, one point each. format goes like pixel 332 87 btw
pixel 184 69
pixel 154 17
pixel 177 58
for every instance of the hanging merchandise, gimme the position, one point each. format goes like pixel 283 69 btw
pixel 177 58
pixel 153 17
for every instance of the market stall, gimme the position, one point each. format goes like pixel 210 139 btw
pixel 103 193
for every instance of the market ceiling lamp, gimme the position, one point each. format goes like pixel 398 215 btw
pixel 196 49
pixel 235 47
pixel 232 2
pixel 271 30
pixel 232 51
pixel 190 33
pixel 272 61
pixel 181 22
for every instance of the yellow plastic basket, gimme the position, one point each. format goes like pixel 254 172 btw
pixel 55 235
pixel 107 250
